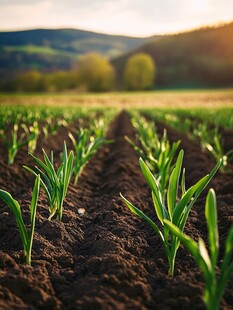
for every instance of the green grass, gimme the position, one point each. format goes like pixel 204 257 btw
pixel 33 49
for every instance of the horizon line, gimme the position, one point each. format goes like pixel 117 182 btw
pixel 203 26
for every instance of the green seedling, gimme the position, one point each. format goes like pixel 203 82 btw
pixel 85 146
pixel 159 157
pixel 215 279
pixel 33 133
pixel 217 151
pixel 176 209
pixel 55 183
pixel 26 236
pixel 15 143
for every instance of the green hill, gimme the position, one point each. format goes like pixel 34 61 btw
pixel 200 58
pixel 44 49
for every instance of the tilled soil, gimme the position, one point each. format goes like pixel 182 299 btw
pixel 106 258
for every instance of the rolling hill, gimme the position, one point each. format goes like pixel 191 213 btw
pixel 45 49
pixel 199 58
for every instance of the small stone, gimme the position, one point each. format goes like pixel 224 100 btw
pixel 81 211
pixel 4 215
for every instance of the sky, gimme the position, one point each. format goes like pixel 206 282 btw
pixel 126 17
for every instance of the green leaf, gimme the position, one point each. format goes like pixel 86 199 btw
pixel 226 269
pixel 191 196
pixel 15 208
pixel 49 165
pixel 211 217
pixel 45 188
pixel 173 184
pixel 186 198
pixel 151 181
pixel 33 206
pixel 204 254
pixel 192 246
pixel 183 183
pixel 42 165
pixel 158 209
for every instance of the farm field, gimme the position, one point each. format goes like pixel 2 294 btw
pixel 157 99
pixel 100 255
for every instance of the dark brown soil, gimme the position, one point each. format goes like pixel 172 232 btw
pixel 106 258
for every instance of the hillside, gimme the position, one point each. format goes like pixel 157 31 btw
pixel 200 58
pixel 45 49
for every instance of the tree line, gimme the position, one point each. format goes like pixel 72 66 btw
pixel 92 73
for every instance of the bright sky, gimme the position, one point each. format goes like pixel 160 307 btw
pixel 127 17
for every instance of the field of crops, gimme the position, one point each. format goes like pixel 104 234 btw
pixel 85 224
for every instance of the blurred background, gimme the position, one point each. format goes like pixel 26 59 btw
pixel 100 45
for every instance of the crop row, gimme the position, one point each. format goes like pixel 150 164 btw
pixel 173 203
pixel 55 179
pixel 20 126
pixel 203 126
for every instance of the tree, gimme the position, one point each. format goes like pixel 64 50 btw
pixel 139 72
pixel 29 81
pixel 95 72
pixel 61 80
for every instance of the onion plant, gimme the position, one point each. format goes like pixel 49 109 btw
pixel 217 151
pixel 215 279
pixel 98 127
pixel 159 154
pixel 85 146
pixel 203 133
pixel 175 209
pixel 52 125
pixel 55 183
pixel 15 142
pixel 26 236
pixel 33 132
pixel 211 140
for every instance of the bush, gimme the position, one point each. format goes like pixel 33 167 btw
pixel 95 73
pixel 139 72
pixel 29 81
pixel 61 80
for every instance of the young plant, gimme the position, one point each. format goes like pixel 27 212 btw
pixel 26 236
pixel 55 183
pixel 216 149
pixel 85 147
pixel 52 125
pixel 15 143
pixel 33 132
pixel 159 157
pixel 203 133
pixel 215 280
pixel 176 209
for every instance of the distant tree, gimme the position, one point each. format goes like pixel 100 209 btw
pixel 95 72
pixel 139 72
pixel 61 80
pixel 29 81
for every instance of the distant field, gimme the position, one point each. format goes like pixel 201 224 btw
pixel 156 99
pixel 32 49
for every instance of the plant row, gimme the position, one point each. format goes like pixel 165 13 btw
pixel 55 179
pixel 20 127
pixel 205 127
pixel 173 202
